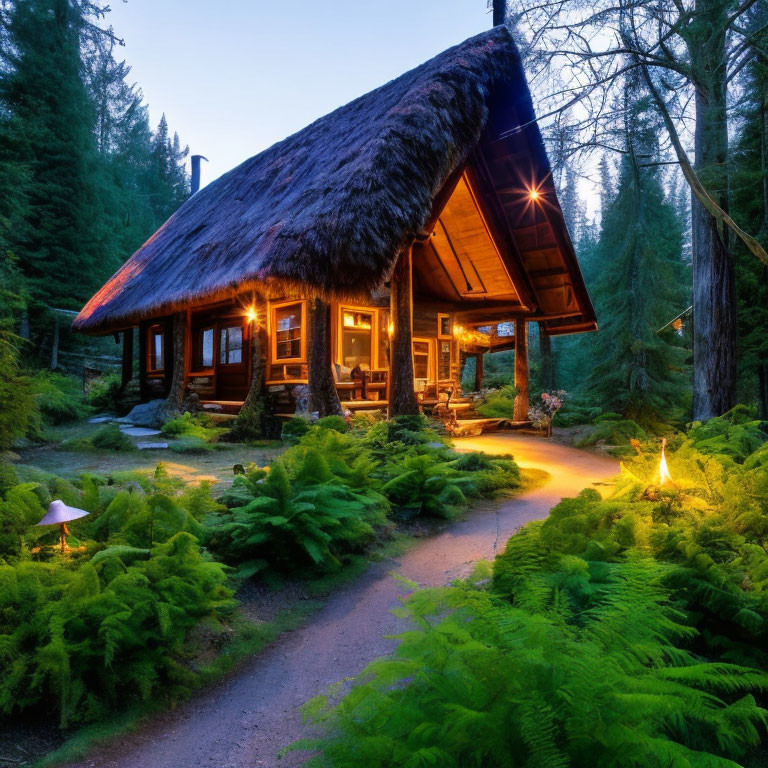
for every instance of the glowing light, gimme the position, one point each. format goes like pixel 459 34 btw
pixel 250 314
pixel 664 475
pixel 533 194
pixel 391 329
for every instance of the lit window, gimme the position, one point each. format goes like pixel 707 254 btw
pixel 156 348
pixel 205 349
pixel 356 333
pixel 288 332
pixel 444 361
pixel 231 345
pixel 421 359
pixel 445 326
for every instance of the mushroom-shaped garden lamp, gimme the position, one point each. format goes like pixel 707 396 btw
pixel 60 514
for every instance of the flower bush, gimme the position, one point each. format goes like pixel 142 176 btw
pixel 543 411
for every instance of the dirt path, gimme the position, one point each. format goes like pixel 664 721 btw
pixel 244 722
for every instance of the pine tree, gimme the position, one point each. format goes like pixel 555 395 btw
pixel 641 285
pixel 749 199
pixel 44 90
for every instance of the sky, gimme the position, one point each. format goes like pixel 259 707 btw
pixel 233 77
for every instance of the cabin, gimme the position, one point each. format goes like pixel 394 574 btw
pixel 359 262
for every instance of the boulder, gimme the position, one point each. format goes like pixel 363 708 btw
pixel 151 414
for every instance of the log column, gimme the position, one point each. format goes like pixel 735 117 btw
pixel 478 372
pixel 127 362
pixel 521 370
pixel 323 396
pixel 402 397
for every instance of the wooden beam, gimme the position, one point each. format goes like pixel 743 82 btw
pixel 323 396
pixel 402 397
pixel 127 361
pixel 521 370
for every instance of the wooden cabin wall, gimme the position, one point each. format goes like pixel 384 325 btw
pixel 155 385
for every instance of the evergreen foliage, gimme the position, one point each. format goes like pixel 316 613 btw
pixel 641 287
pixel 629 631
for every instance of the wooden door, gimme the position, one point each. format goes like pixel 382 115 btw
pixel 232 359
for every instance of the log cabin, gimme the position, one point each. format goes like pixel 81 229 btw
pixel 357 262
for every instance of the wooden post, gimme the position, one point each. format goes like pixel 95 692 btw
pixel 403 399
pixel 478 372
pixel 127 364
pixel 323 396
pixel 255 417
pixel 521 370
pixel 176 391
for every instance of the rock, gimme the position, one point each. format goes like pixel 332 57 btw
pixel 102 418
pixel 213 407
pixel 151 446
pixel 152 414
pixel 139 431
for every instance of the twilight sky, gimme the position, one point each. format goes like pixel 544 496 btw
pixel 234 76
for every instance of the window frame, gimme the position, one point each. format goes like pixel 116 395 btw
pixel 156 329
pixel 273 308
pixel 438 355
pixel 197 352
pixel 372 312
pixel 440 334
pixel 223 327
pixel 431 379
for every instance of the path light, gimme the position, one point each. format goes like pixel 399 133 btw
pixel 664 475
pixel 60 514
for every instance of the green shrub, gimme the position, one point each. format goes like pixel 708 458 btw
pixel 198 427
pixel 479 681
pixel 336 423
pixel 107 438
pixel 192 444
pixel 498 403
pixel 295 427
pixel 736 434
pixel 18 407
pixel 59 397
pixel 85 640
pixel 105 393
pixel 614 430
pixel 295 525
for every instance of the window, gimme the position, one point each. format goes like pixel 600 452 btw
pixel 288 332
pixel 420 359
pixel 204 351
pixel 156 349
pixel 231 345
pixel 444 360
pixel 444 326
pixel 356 338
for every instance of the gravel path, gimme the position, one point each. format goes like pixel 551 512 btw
pixel 245 721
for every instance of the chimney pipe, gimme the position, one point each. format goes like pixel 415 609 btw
pixel 195 181
pixel 499 12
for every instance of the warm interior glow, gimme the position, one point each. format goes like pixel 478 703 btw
pixel 357 320
pixel 664 475
pixel 250 314
pixel 391 329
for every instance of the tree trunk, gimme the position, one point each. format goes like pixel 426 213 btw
pixel 176 391
pixel 762 395
pixel 255 417
pixel 24 325
pixel 323 396
pixel 521 371
pixel 402 397
pixel 55 343
pixel 714 295
pixel 547 363
pixel 499 12
pixel 127 362
pixel 478 372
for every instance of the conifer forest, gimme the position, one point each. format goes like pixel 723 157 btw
pixel 433 435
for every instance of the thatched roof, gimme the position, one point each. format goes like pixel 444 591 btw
pixel 328 208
